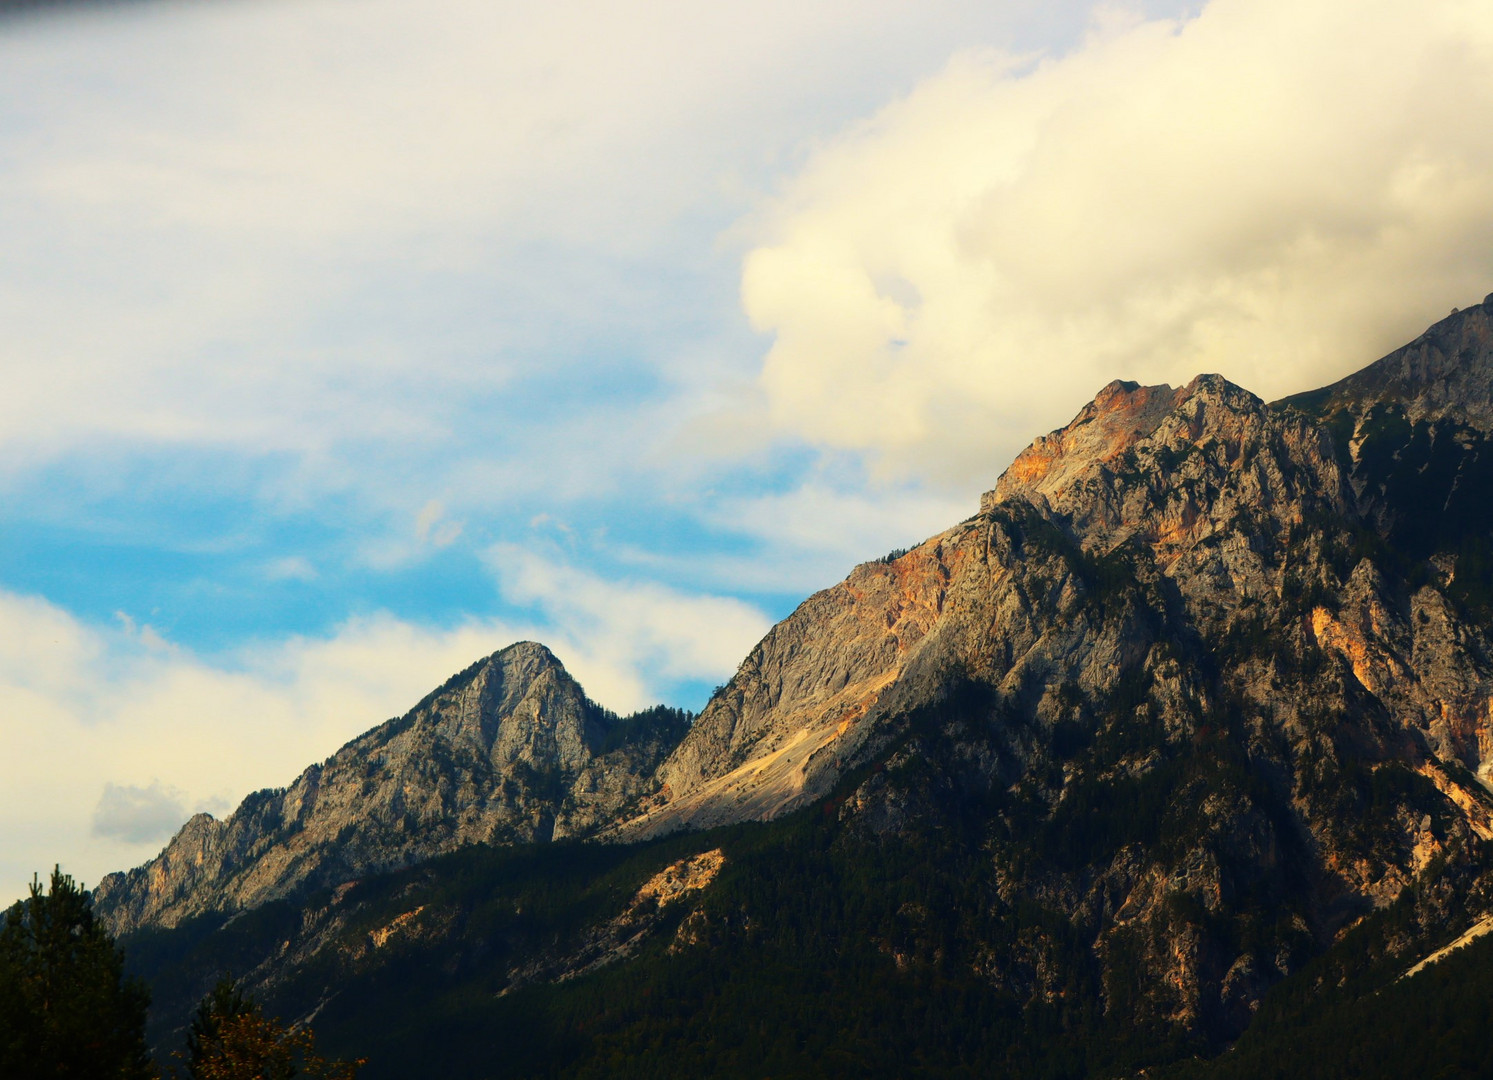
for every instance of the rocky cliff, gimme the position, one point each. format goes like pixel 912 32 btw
pixel 1203 684
pixel 1200 483
pixel 1219 670
pixel 510 750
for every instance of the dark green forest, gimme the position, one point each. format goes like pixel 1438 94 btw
pixel 957 928
pixel 810 994
pixel 814 958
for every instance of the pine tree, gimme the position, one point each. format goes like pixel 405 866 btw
pixel 230 1038
pixel 205 1035
pixel 66 1009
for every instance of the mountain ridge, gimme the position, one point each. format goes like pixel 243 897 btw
pixel 1204 684
pixel 509 750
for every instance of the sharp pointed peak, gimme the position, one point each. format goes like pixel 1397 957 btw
pixel 1121 414
pixel 521 660
pixel 533 651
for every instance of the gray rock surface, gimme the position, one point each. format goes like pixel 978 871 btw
pixel 1197 478
pixel 1215 675
pixel 509 750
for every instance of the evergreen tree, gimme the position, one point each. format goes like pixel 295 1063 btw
pixel 205 1035
pixel 230 1038
pixel 66 1008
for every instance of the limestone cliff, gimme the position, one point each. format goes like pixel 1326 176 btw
pixel 1199 479
pixel 1204 683
pixel 509 750
pixel 1269 624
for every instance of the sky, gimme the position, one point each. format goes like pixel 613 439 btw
pixel 348 341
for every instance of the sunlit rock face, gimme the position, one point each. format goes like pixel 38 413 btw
pixel 1271 621
pixel 1199 482
pixel 1205 679
pixel 510 750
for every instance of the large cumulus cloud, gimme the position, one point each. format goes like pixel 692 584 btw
pixel 1275 189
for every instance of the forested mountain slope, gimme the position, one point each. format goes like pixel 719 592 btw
pixel 1200 698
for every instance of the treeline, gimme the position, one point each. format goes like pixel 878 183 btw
pixel 68 1011
pixel 813 954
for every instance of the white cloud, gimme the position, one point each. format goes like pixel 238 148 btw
pixel 1280 190
pixel 623 639
pixel 806 538
pixel 112 734
pixel 138 815
pixel 290 568
pixel 299 227
pixel 849 526
pixel 434 528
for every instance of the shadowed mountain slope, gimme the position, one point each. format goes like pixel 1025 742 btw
pixel 1202 694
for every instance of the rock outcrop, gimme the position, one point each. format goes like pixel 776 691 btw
pixel 1445 374
pixel 1203 682
pixel 1200 479
pixel 1255 637
pixel 510 750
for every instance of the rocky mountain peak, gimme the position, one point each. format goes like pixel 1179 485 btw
pixel 1185 473
pixel 509 750
pixel 1170 468
pixel 1121 415
pixel 519 704
pixel 1203 684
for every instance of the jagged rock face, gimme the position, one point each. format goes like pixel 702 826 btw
pixel 510 750
pixel 1265 662
pixel 802 702
pixel 1222 670
pixel 1192 475
pixel 1446 373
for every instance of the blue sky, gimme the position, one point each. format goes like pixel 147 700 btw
pixel 349 341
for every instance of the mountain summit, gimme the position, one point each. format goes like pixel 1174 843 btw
pixel 509 751
pixel 1193 481
pixel 1204 684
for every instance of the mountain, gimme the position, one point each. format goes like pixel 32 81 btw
pixel 1126 492
pixel 509 751
pixel 1190 724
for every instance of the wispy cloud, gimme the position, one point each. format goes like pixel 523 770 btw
pixel 291 568
pixel 626 638
pixel 136 815
pixel 849 526
pixel 313 228
pixel 433 527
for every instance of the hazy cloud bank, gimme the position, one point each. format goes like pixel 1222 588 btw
pixel 138 815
